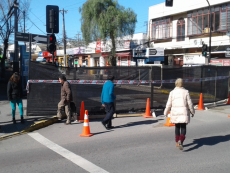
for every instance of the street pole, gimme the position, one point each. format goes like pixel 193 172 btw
pixel 24 16
pixel 16 62
pixel 64 36
pixel 210 31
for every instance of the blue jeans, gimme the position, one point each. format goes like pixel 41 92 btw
pixel 20 106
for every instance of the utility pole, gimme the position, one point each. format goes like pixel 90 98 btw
pixel 64 36
pixel 210 31
pixel 146 24
pixel 78 38
pixel 16 61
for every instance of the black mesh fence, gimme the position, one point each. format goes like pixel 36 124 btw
pixel 44 97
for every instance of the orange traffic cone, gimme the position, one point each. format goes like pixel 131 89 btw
pixel 82 112
pixel 86 129
pixel 168 121
pixel 148 111
pixel 228 103
pixel 201 104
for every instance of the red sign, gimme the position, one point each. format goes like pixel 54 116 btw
pixel 98 46
pixel 226 63
pixel 217 62
pixel 47 54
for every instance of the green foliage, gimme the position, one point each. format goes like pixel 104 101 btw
pixel 106 19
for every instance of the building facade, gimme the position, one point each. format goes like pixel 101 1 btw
pixel 182 29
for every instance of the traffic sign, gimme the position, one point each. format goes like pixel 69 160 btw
pixel 22 37
pixel 39 38
pixel 35 37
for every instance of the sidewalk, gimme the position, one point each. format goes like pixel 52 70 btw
pixel 7 126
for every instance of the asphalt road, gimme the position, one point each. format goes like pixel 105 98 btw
pixel 135 145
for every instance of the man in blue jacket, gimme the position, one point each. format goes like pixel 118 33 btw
pixel 107 100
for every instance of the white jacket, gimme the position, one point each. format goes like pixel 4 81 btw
pixel 180 106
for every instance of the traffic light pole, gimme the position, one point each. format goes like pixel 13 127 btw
pixel 16 61
pixel 210 32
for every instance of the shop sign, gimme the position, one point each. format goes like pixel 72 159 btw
pixel 60 52
pixel 139 52
pixel 226 62
pixel 217 62
pixel 89 50
pixel 155 52
pixel 79 50
pixel 98 46
pixel 69 51
pixel 47 54
pixel 193 59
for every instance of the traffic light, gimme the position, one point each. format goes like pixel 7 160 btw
pixel 52 19
pixel 168 3
pixel 51 47
pixel 204 50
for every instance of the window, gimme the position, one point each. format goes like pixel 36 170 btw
pixel 181 30
pixel 161 29
pixel 198 20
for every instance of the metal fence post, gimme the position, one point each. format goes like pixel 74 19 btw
pixel 215 85
pixel 228 82
pixel 151 100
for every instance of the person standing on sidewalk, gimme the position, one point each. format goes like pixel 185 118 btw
pixel 14 93
pixel 107 100
pixel 180 106
pixel 66 98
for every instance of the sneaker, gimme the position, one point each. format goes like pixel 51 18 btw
pixel 111 127
pixel 177 145
pixel 22 120
pixel 67 123
pixel 105 126
pixel 180 145
pixel 14 121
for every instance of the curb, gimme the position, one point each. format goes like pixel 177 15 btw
pixel 191 93
pixel 35 126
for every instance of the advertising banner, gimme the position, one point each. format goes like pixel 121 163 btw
pixel 98 46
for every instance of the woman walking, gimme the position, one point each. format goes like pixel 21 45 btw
pixel 180 106
pixel 15 96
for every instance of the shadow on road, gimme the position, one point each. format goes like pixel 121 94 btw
pixel 136 123
pixel 209 141
pixel 8 126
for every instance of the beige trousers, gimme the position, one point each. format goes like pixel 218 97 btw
pixel 67 110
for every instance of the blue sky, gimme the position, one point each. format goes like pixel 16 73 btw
pixel 37 13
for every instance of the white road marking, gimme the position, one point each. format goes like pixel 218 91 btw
pixel 78 160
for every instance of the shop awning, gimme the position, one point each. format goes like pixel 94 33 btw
pixel 119 54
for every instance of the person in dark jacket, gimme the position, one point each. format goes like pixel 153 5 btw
pixel 66 98
pixel 107 100
pixel 14 94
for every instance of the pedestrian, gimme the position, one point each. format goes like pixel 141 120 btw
pixel 107 100
pixel 180 106
pixel 14 93
pixel 66 98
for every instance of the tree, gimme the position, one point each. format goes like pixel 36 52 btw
pixel 7 24
pixel 106 19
